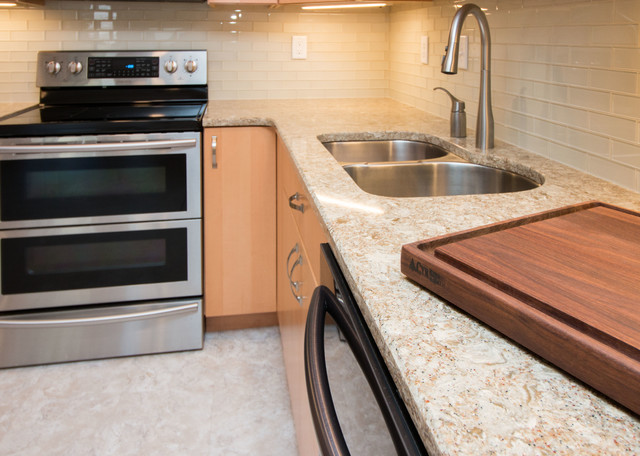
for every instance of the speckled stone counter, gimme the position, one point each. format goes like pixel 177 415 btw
pixel 470 390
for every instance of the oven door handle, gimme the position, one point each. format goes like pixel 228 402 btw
pixel 99 147
pixel 66 322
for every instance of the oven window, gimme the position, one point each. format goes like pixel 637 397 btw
pixel 54 263
pixel 92 186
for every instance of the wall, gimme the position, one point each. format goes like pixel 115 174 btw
pixel 249 51
pixel 565 75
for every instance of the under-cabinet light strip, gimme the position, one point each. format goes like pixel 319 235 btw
pixel 346 5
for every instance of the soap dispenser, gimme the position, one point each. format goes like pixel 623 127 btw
pixel 458 116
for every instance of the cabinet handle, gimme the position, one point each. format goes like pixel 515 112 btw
pixel 214 147
pixel 296 197
pixel 295 286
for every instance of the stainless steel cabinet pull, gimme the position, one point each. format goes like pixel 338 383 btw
pixel 97 147
pixel 214 147
pixel 296 197
pixel 53 322
pixel 294 285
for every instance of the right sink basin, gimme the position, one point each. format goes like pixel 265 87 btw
pixel 435 179
pixel 410 168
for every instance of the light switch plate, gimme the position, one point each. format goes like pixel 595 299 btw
pixel 463 58
pixel 299 47
pixel 424 50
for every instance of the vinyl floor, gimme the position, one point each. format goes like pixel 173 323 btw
pixel 229 399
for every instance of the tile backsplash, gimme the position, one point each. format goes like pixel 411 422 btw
pixel 565 76
pixel 249 48
pixel 565 73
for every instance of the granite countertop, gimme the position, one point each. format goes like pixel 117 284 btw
pixel 470 391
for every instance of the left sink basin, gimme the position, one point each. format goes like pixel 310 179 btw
pixel 397 150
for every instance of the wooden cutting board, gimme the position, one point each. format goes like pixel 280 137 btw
pixel 563 283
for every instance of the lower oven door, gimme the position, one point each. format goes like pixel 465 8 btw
pixel 71 266
pixel 94 332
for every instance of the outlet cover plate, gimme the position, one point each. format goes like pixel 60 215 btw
pixel 298 47
pixel 424 50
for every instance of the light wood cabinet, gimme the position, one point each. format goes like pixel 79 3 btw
pixel 300 271
pixel 239 210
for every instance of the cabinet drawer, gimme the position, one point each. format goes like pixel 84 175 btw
pixel 298 203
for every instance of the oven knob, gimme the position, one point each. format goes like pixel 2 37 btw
pixel 53 67
pixel 170 66
pixel 75 67
pixel 191 66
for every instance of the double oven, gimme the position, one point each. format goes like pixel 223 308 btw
pixel 100 208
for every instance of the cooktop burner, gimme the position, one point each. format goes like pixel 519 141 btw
pixel 78 119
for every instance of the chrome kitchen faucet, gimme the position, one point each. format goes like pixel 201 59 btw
pixel 484 124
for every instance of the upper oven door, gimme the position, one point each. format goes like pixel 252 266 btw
pixel 77 180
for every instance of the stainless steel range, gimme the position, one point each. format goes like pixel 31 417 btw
pixel 100 208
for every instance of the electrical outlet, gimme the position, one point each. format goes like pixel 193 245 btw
pixel 463 58
pixel 299 47
pixel 424 50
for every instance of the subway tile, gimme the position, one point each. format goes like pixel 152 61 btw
pixel 626 105
pixel 619 173
pixel 7 25
pixel 627 11
pixel 589 142
pixel 569 75
pixel 571 35
pixel 616 81
pixel 569 156
pixel 560 54
pixel 626 58
pixel 599 12
pixel 618 34
pixel 616 127
pixel 24 15
pixel 590 99
pixel 591 56
pixel 569 115
pixel 623 149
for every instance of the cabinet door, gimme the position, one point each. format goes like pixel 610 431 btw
pixel 239 201
pixel 300 234
pixel 295 287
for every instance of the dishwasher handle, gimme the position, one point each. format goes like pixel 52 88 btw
pixel 323 412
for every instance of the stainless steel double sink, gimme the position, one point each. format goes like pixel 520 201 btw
pixel 409 168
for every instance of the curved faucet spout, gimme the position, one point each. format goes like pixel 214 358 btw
pixel 484 124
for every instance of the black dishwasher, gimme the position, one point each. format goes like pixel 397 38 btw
pixel 355 405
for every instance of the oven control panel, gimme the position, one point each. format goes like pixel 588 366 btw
pixel 121 68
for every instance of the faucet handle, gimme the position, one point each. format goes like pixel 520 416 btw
pixel 458 120
pixel 456 104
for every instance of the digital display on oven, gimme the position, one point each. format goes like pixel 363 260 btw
pixel 123 67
